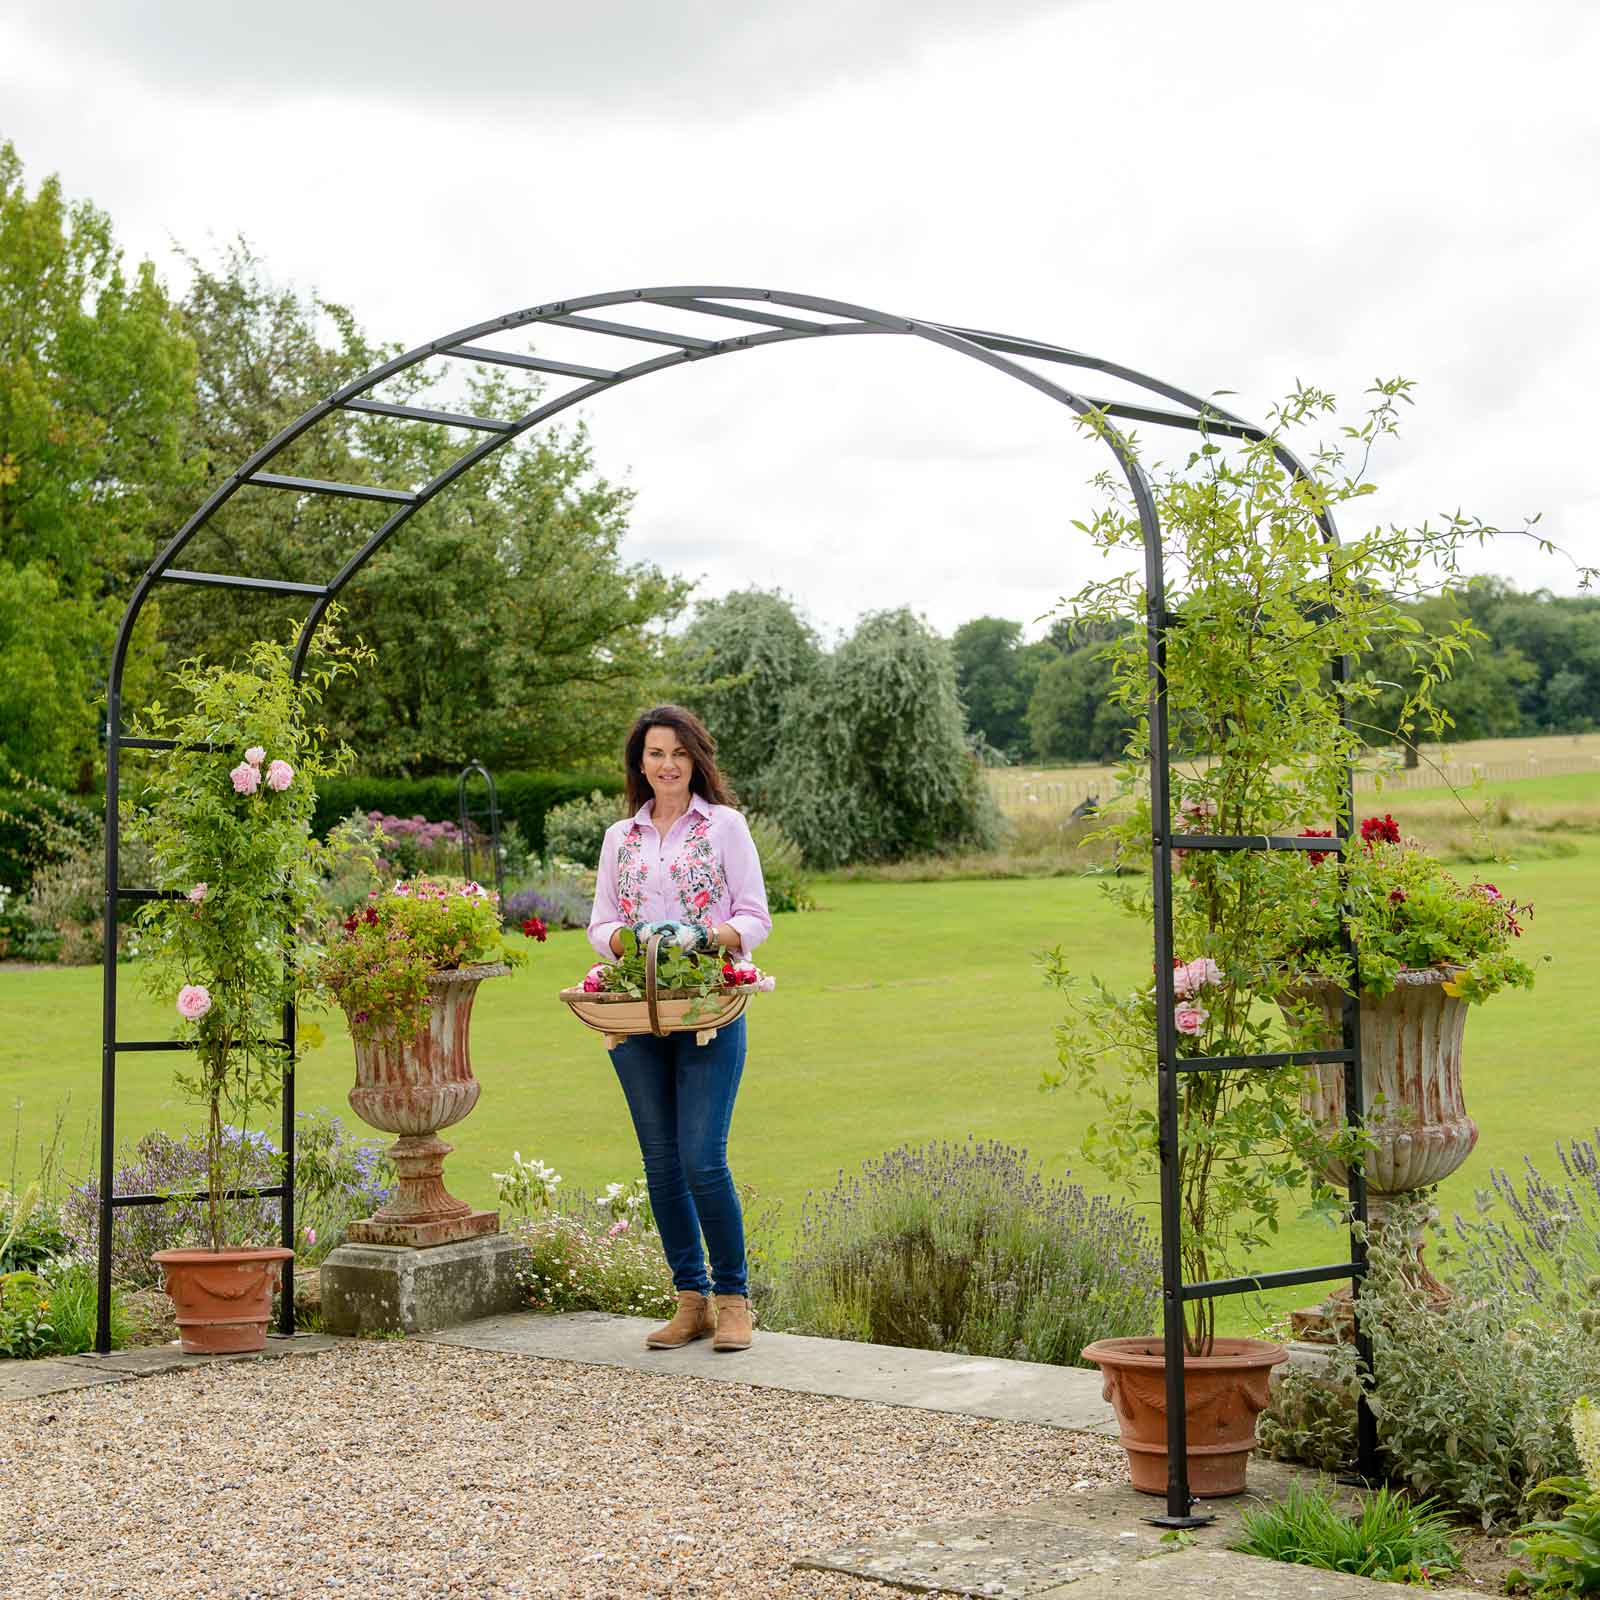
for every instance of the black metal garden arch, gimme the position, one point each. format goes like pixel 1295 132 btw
pixel 754 323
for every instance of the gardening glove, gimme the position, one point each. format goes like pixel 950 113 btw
pixel 688 936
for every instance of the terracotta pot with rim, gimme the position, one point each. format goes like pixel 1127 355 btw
pixel 223 1298
pixel 1223 1394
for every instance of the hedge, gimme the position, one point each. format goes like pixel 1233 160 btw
pixel 23 814
pixel 525 797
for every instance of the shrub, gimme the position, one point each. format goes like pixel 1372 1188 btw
pixel 561 897
pixel 38 824
pixel 575 831
pixel 51 1311
pixel 574 1264
pixel 64 911
pixel 30 1232
pixel 1391 1539
pixel 524 798
pixel 873 764
pixel 1471 1404
pixel 337 1179
pixel 782 867
pixel 965 1248
pixel 1564 1551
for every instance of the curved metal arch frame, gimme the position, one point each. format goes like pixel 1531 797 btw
pixel 752 307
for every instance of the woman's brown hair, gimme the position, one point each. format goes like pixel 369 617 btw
pixel 706 781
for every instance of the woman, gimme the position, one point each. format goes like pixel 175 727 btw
pixel 684 863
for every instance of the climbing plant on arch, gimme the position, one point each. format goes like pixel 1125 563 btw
pixel 729 320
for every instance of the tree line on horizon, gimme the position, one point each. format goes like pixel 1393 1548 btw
pixel 1533 669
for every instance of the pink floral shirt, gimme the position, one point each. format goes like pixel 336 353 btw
pixel 705 870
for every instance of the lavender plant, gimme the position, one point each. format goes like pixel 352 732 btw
pixel 1542 1236
pixel 1473 1405
pixel 337 1179
pixel 966 1248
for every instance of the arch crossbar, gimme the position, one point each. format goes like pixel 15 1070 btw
pixel 729 320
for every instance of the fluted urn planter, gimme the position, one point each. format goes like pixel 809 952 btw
pixel 1411 1087
pixel 413 1088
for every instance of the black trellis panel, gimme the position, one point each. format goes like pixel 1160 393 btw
pixel 468 818
pixel 1004 353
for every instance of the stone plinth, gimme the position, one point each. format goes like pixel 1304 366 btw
pixel 424 1235
pixel 376 1288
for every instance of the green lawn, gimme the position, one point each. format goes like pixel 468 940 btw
pixel 904 1012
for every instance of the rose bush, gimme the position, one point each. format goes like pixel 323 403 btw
pixel 235 940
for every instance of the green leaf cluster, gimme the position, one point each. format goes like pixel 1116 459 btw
pixel 96 389
pixel 1390 1538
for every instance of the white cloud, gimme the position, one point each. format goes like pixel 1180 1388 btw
pixel 1228 197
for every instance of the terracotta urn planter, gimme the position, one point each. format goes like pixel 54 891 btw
pixel 1411 1086
pixel 223 1298
pixel 413 1088
pixel 1223 1393
pixel 1410 1080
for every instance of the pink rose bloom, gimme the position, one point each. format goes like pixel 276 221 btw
pixel 246 779
pixel 593 986
pixel 198 893
pixel 194 1000
pixel 279 776
pixel 255 755
pixel 1192 977
pixel 766 985
pixel 1191 1019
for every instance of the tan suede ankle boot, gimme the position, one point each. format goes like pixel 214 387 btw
pixel 733 1323
pixel 693 1319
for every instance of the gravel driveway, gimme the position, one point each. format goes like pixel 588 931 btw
pixel 383 1470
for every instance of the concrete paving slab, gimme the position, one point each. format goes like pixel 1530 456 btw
pixel 154 1359
pixel 27 1380
pixel 1226 1575
pixel 1000 1558
pixel 1010 1391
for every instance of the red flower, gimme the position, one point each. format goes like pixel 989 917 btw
pixel 535 929
pixel 350 924
pixel 1397 897
pixel 1317 857
pixel 1384 828
pixel 372 916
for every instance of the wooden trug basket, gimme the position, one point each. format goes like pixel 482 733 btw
pixel 660 1012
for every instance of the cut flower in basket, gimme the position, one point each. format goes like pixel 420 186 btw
pixel 655 986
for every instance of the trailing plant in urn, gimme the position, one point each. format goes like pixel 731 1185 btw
pixel 226 817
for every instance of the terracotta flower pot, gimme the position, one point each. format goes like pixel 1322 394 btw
pixel 223 1298
pixel 1223 1394
pixel 414 1087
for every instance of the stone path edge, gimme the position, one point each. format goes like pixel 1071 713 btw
pixel 929 1380
pixel 32 1380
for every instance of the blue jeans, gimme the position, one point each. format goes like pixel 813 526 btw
pixel 680 1096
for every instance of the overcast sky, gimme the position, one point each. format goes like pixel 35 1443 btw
pixel 1231 196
